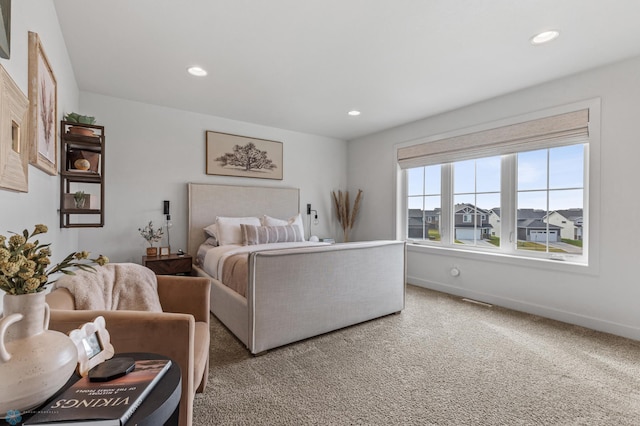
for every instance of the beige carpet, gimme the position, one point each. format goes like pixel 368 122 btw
pixel 441 361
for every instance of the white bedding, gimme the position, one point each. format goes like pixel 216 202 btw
pixel 211 258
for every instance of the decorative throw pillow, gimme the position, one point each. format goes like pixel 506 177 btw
pixel 211 241
pixel 212 234
pixel 253 235
pixel 229 228
pixel 295 221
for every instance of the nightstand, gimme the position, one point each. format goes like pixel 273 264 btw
pixel 172 264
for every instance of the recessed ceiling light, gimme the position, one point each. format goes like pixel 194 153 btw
pixel 354 113
pixel 544 37
pixel 197 71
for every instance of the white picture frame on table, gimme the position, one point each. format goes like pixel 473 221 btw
pixel 93 343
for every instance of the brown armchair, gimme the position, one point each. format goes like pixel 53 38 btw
pixel 180 332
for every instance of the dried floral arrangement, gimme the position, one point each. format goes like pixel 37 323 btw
pixel 346 215
pixel 23 263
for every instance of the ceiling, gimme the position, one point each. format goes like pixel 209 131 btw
pixel 303 64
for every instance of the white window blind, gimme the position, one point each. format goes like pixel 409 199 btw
pixel 556 130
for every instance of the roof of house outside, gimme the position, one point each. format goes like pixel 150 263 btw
pixel 531 214
pixel 463 206
pixel 533 223
pixel 571 214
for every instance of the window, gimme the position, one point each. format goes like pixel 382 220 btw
pixel 518 190
pixel 423 213
pixel 476 191
pixel 550 193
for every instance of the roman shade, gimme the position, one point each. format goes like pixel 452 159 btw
pixel 556 130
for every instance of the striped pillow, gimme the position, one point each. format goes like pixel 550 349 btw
pixel 252 235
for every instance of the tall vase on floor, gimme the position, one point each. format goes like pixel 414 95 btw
pixel 34 362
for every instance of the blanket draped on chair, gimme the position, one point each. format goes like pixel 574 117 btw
pixel 115 286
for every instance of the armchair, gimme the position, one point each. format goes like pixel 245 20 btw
pixel 180 332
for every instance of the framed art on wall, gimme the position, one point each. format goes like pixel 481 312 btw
pixel 234 155
pixel 14 148
pixel 5 28
pixel 43 109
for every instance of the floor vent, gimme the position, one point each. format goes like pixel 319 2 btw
pixel 477 302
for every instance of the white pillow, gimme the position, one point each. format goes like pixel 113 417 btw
pixel 295 221
pixel 229 228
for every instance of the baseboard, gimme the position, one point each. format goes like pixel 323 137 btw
pixel 531 308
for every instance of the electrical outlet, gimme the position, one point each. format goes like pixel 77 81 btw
pixel 308 209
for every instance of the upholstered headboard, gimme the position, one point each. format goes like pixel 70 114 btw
pixel 207 201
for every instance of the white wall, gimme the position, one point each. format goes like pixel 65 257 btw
pixel 606 301
pixel 40 205
pixel 152 152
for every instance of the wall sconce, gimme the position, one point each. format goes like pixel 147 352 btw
pixel 167 215
pixel 315 217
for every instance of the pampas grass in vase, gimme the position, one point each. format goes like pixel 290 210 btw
pixel 346 215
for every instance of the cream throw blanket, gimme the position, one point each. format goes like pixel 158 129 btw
pixel 114 286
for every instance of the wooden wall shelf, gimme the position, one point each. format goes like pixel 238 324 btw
pixel 77 152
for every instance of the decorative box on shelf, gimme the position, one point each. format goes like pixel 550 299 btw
pixel 327 240
pixel 90 202
pixel 83 160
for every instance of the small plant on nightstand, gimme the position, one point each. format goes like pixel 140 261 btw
pixel 152 236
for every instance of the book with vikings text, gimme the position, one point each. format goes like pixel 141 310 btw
pixel 102 403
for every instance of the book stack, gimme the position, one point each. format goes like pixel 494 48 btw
pixel 109 403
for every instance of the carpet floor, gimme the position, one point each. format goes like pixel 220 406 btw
pixel 442 361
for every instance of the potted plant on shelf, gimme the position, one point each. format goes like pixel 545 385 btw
pixel 74 117
pixel 152 236
pixel 79 199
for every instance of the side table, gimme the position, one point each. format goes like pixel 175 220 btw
pixel 160 407
pixel 173 264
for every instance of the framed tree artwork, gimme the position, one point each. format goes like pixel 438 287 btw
pixel 43 109
pixel 234 155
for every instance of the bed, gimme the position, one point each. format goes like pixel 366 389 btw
pixel 294 292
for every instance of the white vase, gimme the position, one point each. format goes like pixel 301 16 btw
pixel 34 362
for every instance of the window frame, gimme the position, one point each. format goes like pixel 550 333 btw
pixel 590 264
